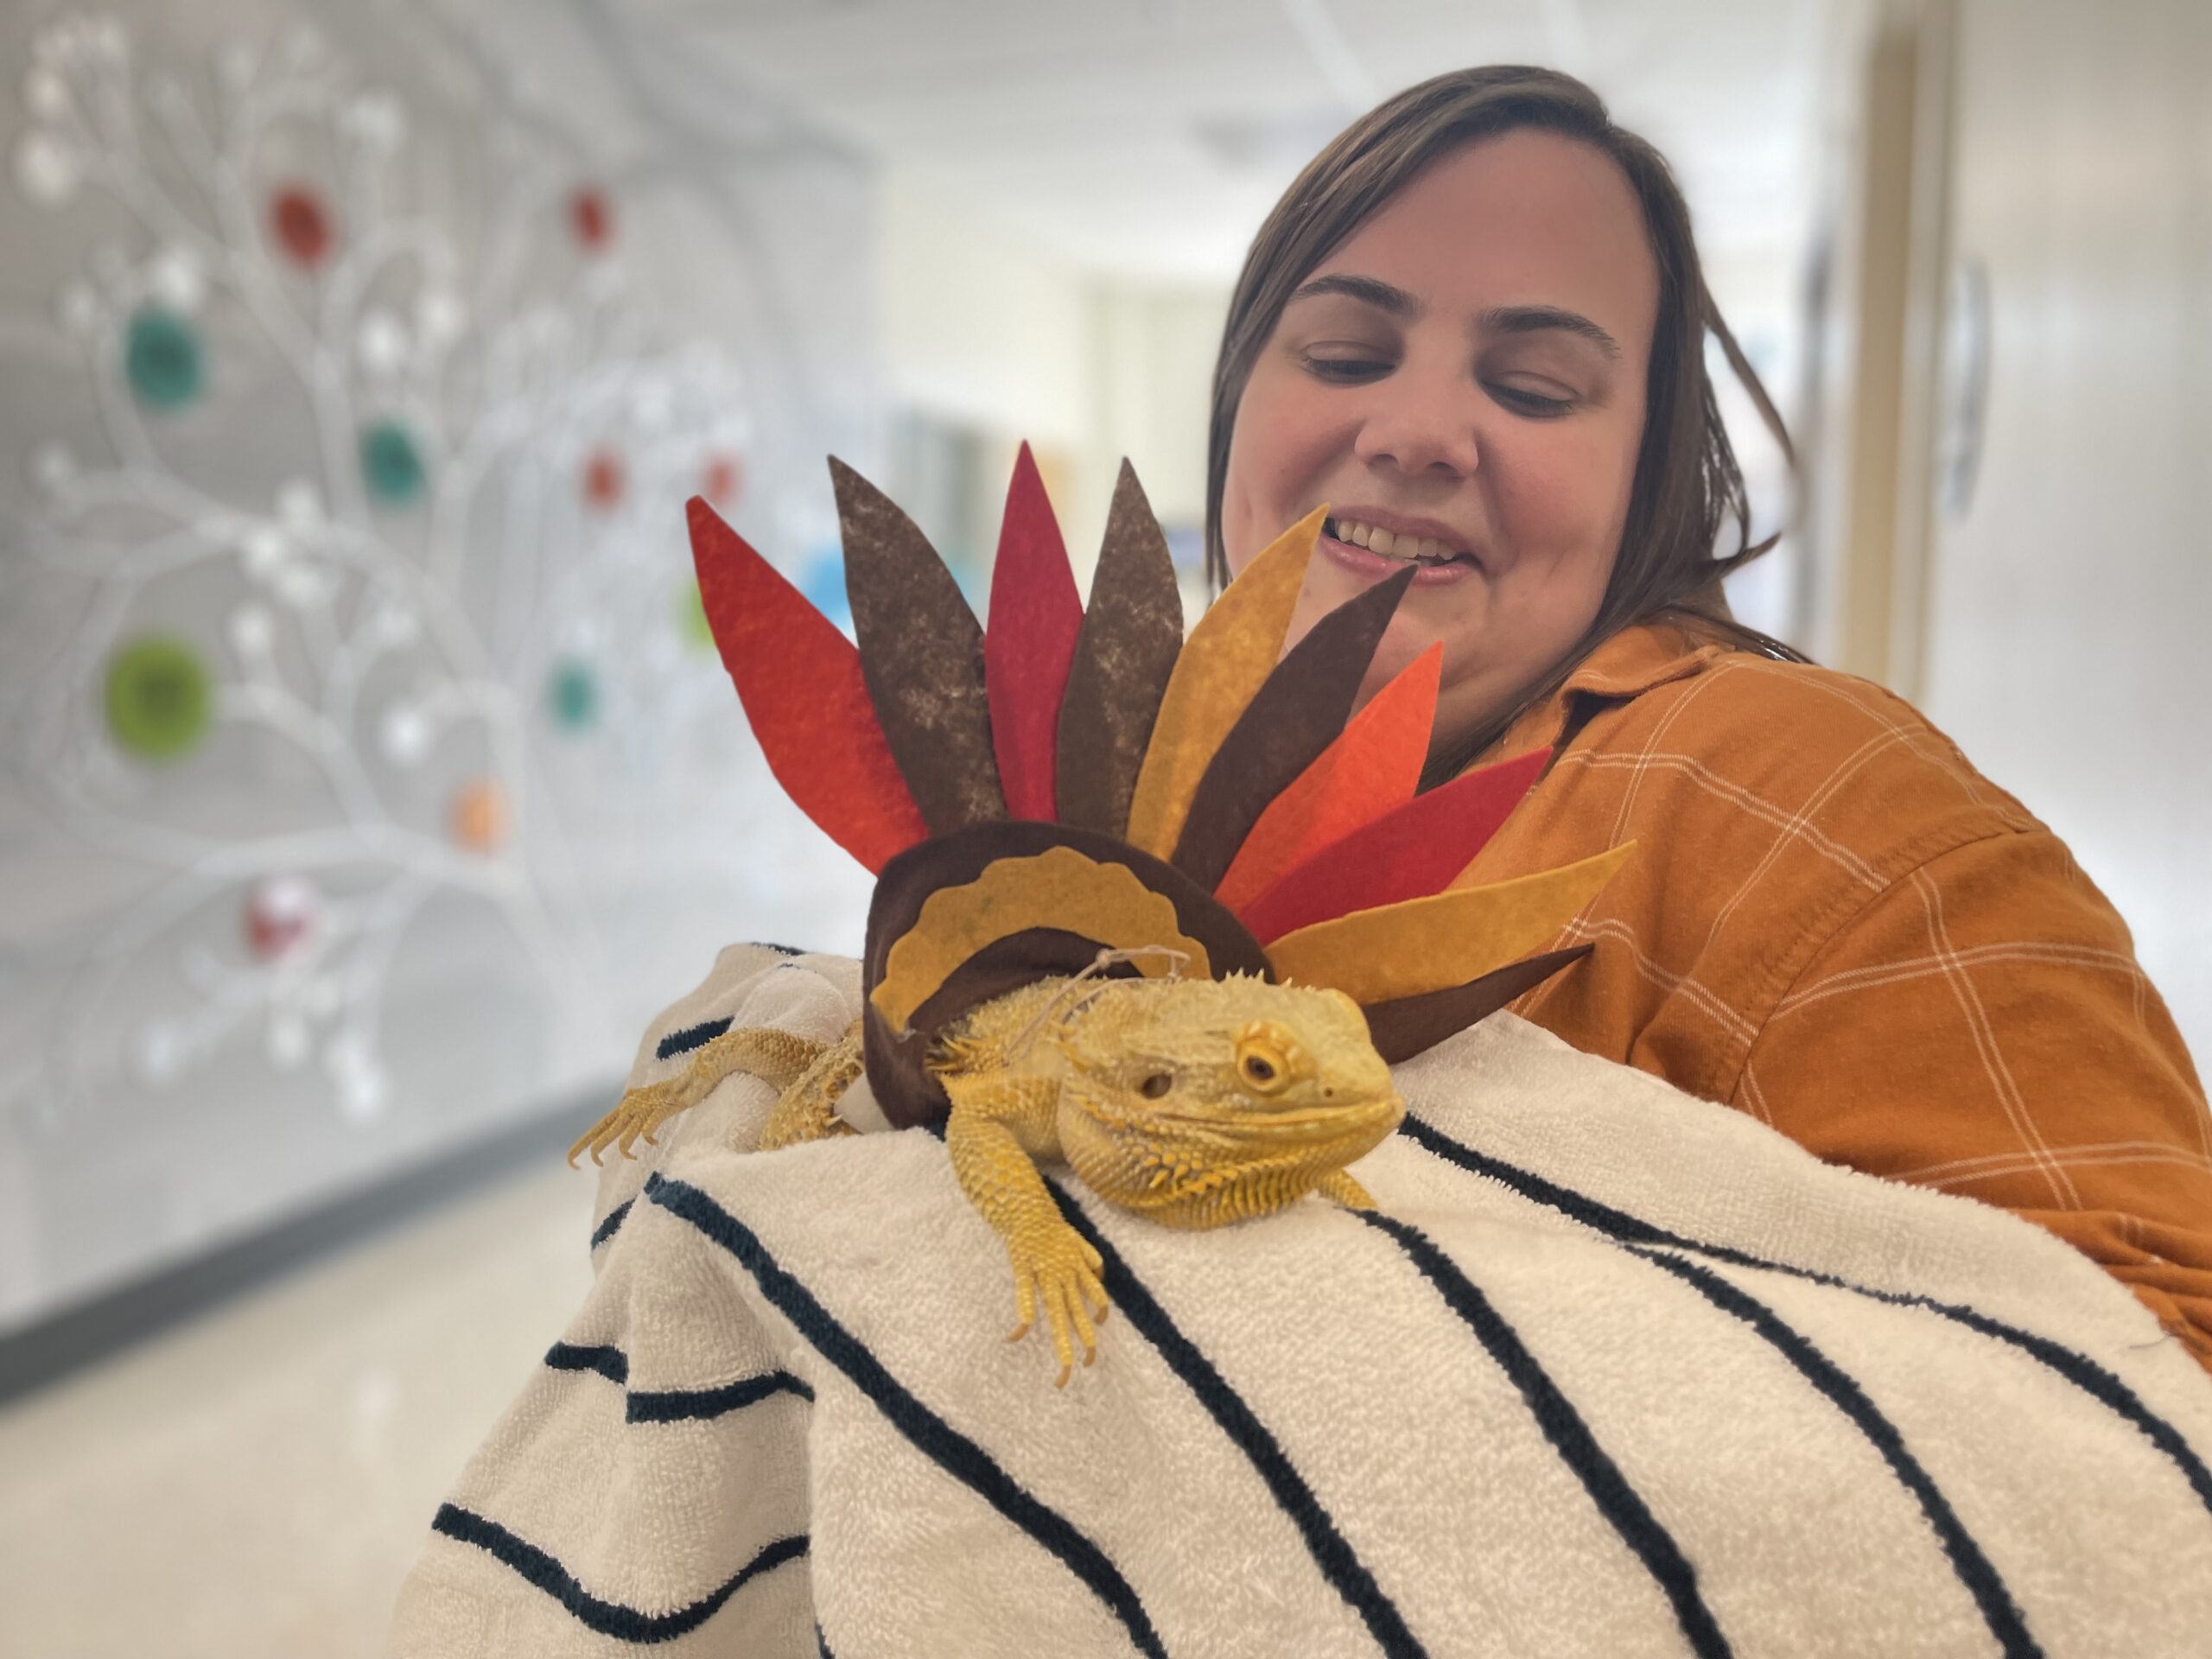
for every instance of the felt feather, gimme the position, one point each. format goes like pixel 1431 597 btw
pixel 1058 889
pixel 1413 1025
pixel 804 695
pixel 923 654
pixel 1374 764
pixel 1227 658
pixel 1131 633
pixel 1036 616
pixel 896 1069
pixel 1297 710
pixel 1446 938
pixel 1417 848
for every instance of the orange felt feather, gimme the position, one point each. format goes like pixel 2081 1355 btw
pixel 1373 765
pixel 1036 614
pixel 1228 657
pixel 1416 849
pixel 803 694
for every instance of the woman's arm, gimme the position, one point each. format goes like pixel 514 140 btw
pixel 1981 1025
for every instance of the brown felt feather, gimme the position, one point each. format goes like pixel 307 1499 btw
pixel 1132 632
pixel 1297 712
pixel 1413 1025
pixel 922 652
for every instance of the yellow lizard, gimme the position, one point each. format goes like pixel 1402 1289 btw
pixel 1195 1103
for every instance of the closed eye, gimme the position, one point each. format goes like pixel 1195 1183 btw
pixel 1535 403
pixel 1348 371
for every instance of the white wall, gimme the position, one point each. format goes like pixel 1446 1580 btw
pixel 2071 590
pixel 981 328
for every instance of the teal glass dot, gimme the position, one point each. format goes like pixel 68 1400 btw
pixel 572 695
pixel 162 360
pixel 391 464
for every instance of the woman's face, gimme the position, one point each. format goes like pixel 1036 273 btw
pixel 1462 382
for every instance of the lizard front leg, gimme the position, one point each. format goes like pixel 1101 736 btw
pixel 998 1122
pixel 777 1056
pixel 807 1110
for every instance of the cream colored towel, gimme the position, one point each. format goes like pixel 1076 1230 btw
pixel 1611 1372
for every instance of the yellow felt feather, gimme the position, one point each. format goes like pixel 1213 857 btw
pixel 1235 647
pixel 1444 939
pixel 1057 888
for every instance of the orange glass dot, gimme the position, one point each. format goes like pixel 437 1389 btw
pixel 480 816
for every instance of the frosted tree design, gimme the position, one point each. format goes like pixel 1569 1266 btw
pixel 370 517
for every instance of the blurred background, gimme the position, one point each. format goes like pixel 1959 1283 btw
pixel 367 779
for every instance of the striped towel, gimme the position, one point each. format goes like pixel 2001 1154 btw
pixel 1611 1372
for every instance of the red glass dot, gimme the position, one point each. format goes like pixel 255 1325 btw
pixel 603 478
pixel 722 480
pixel 281 912
pixel 592 217
pixel 301 224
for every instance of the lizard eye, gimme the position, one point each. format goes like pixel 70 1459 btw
pixel 1264 1054
pixel 1156 1085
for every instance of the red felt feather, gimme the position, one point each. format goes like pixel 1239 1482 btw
pixel 1373 764
pixel 800 682
pixel 1035 617
pixel 1408 853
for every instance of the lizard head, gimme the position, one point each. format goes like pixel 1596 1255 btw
pixel 1203 1101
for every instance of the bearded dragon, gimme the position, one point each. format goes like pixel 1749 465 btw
pixel 1194 1103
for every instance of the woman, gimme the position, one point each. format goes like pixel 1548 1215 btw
pixel 1474 327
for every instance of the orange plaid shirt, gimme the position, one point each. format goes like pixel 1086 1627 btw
pixel 1833 922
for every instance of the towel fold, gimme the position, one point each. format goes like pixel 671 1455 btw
pixel 1610 1371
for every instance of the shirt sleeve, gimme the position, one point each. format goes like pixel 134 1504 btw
pixel 1981 1025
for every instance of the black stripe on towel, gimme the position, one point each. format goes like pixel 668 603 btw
pixel 960 1457
pixel 1999 1611
pixel 612 1225
pixel 2080 1370
pixel 691 1037
pixel 674 1405
pixel 610 1362
pixel 1339 1564
pixel 683 1405
pixel 1562 1425
pixel 604 1618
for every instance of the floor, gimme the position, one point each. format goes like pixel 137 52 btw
pixel 255 1486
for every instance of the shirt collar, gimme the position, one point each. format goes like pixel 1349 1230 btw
pixel 1623 667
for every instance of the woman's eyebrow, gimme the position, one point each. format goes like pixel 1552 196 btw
pixel 1369 290
pixel 1500 320
pixel 1532 318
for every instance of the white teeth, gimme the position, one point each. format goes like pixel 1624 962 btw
pixel 1426 549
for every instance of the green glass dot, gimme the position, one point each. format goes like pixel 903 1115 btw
pixel 157 697
pixel 390 465
pixel 572 695
pixel 691 620
pixel 162 358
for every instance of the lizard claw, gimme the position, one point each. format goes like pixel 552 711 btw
pixel 639 1113
pixel 1056 1267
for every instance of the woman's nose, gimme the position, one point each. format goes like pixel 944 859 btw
pixel 1420 429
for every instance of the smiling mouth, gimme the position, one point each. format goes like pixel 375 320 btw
pixel 1411 550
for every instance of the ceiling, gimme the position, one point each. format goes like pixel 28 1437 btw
pixel 1147 138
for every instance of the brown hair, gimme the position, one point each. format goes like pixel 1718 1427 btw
pixel 1688 483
